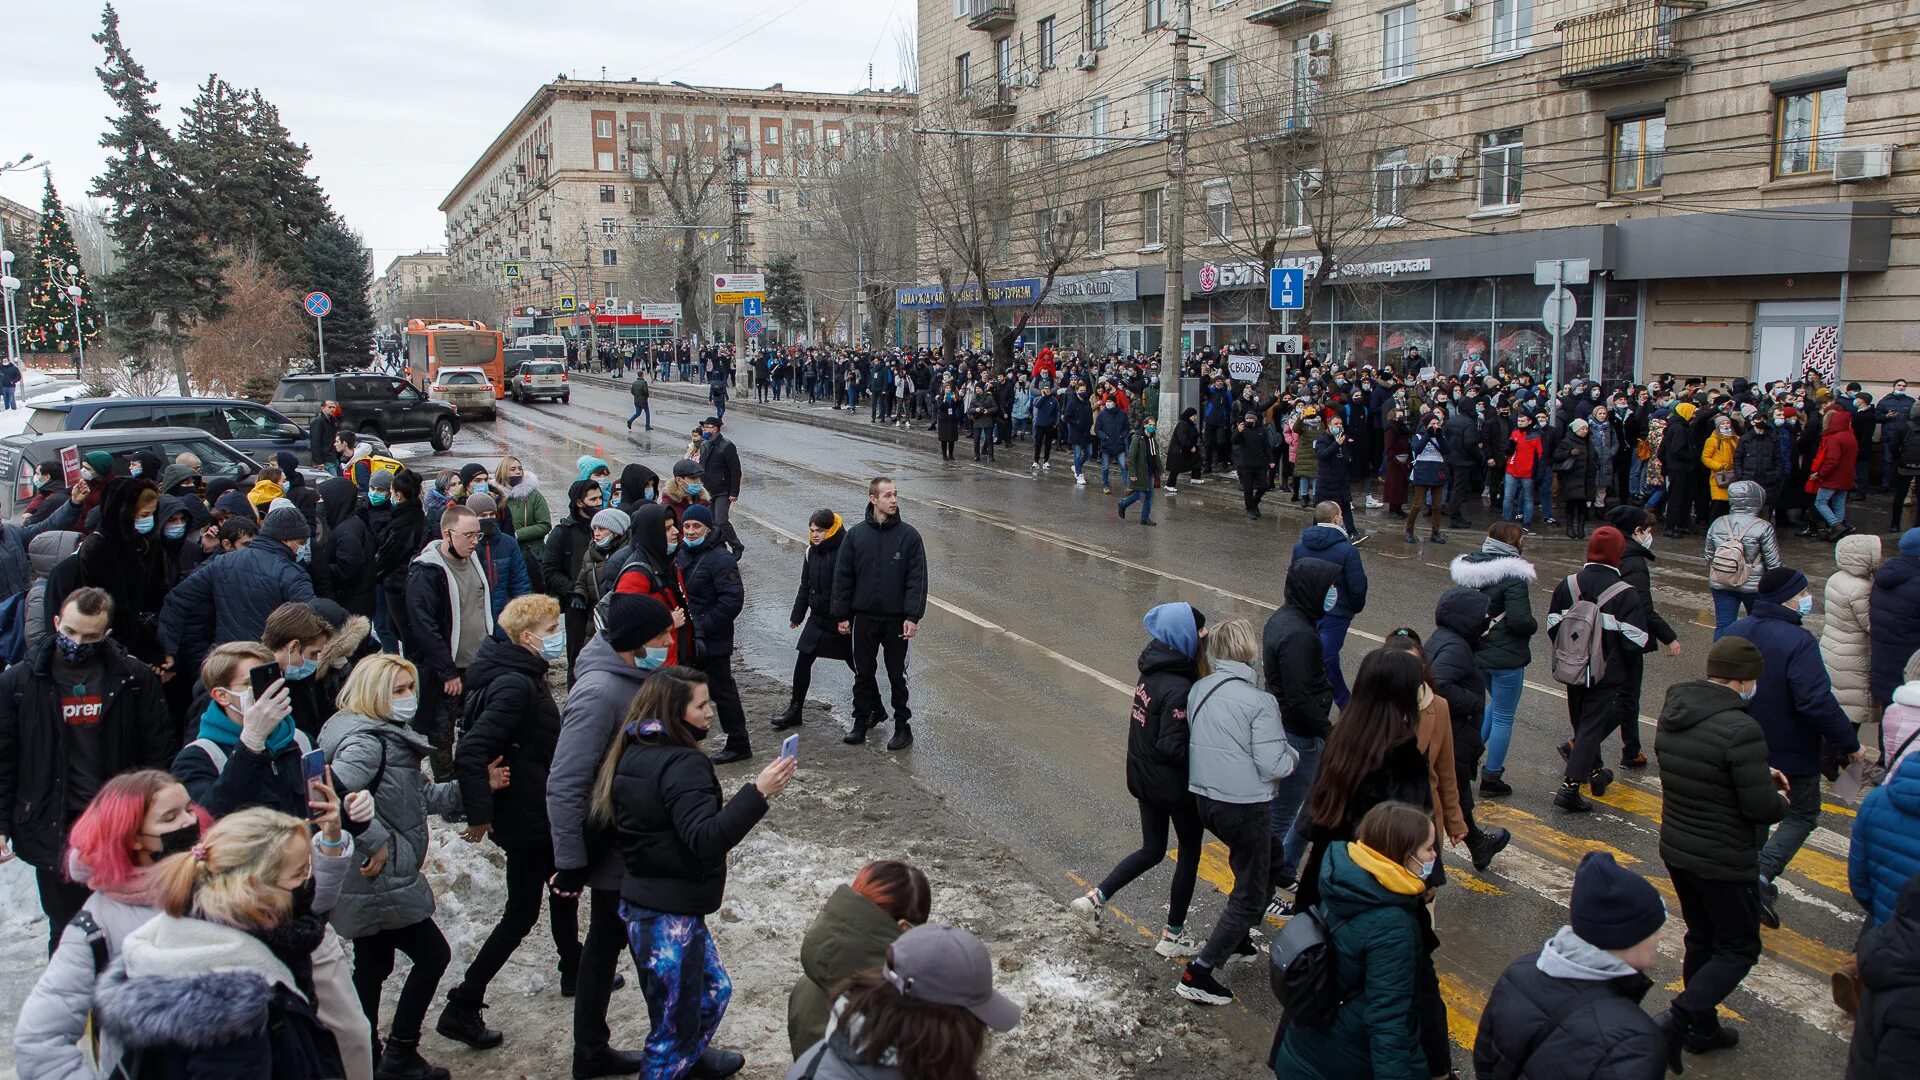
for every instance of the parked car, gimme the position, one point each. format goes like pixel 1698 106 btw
pixel 533 378
pixel 248 426
pixel 467 389
pixel 21 454
pixel 384 406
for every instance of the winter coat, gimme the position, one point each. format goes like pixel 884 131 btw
pixel 16 564
pixel 1759 460
pixel 1158 726
pixel 508 713
pixel 813 605
pixel 194 1000
pixel 1291 654
pixel 36 788
pixel 132 568
pixel 1716 795
pixel 343 558
pixel 1635 572
pixel 230 598
pixel 1845 646
pixel 1236 748
pixel 1886 1029
pixel 505 567
pixel 1465 447
pixel 1452 667
pixel 401 538
pixel 673 827
pixel 384 758
pixel 950 415
pixel 604 685
pixel 1884 852
pixel 1046 411
pixel 1398 451
pixel 715 596
pixel 1329 543
pixel 243 777
pixel 1717 456
pixel 882 571
pixel 1110 431
pixel 1434 736
pixel 1376 939
pixel 1305 431
pixel 1623 620
pixel 560 557
pixel 1757 538
pixel 1895 607
pixel 532 518
pixel 850 935
pixel 835 1059
pixel 720 467
pixel 432 633
pixel 1143 462
pixel 1833 467
pixel 1404 775
pixel 1573 463
pixel 1337 461
pixel 1794 704
pixel 1524 451
pixel 1606 1037
pixel 1505 578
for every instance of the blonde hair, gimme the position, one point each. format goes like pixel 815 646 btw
pixel 501 468
pixel 231 877
pixel 224 663
pixel 1233 640
pixel 524 613
pixel 369 688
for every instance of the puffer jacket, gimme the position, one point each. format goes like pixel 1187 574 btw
pixel 1157 728
pixel 1844 642
pixel 1718 455
pixel 835 1059
pixel 604 685
pixel 1237 748
pixel 1794 704
pixel 509 713
pixel 230 598
pixel 1607 1037
pixel 1759 460
pixel 1498 571
pixel 1895 606
pixel 1291 653
pixel 1742 519
pixel 1886 1030
pixel 383 757
pixel 850 935
pixel 820 634
pixel 1330 543
pixel 1885 850
pixel 532 518
pixel 1459 618
pixel 1715 790
pixel 715 596
pixel 674 828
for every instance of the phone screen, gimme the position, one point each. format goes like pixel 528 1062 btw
pixel 262 676
pixel 790 747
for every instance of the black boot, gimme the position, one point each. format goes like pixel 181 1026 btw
pixel 714 1064
pixel 400 1060
pixel 902 736
pixel 461 1022
pixel 789 719
pixel 606 1061
pixel 861 725
pixel 732 752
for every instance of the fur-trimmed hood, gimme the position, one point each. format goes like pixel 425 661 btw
pixel 188 983
pixel 1479 569
pixel 346 641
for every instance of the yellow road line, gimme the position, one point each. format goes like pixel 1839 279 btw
pixel 1464 1006
pixel 1815 866
pixel 1111 909
pixel 1678 985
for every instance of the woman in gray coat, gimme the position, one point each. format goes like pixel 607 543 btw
pixel 388 906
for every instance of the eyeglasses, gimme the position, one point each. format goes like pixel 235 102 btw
pixel 464 534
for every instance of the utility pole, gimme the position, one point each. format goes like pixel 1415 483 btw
pixel 737 245
pixel 1176 236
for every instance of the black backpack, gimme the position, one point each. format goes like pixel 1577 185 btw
pixel 1304 970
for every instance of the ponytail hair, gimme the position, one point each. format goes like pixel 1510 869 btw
pixel 230 877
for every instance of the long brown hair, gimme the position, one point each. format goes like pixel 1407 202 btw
pixel 663 697
pixel 1381 715
pixel 932 1042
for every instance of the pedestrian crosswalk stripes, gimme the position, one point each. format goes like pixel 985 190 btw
pixel 1814 865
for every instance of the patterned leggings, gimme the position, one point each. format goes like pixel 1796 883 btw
pixel 687 990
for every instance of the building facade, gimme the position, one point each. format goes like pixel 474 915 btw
pixel 20 224
pixel 406 281
pixel 599 189
pixel 1730 178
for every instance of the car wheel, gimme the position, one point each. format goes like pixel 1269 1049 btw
pixel 442 439
pixel 566 398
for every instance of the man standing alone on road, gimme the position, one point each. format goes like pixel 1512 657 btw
pixel 879 597
pixel 720 472
pixel 640 392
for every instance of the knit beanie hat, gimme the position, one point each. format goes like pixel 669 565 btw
pixel 1781 584
pixel 1606 545
pixel 632 620
pixel 1910 543
pixel 482 504
pixel 613 520
pixel 1734 657
pixel 470 470
pixel 380 481
pixel 286 523
pixel 1613 907
pixel 699 513
pixel 1628 518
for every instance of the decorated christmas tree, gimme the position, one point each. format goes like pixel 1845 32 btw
pixel 46 308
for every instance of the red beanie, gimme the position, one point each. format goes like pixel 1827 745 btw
pixel 1606 546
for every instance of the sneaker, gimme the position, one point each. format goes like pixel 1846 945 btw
pixel 1247 951
pixel 1412 539
pixel 1197 480
pixel 1105 490
pixel 1637 761
pixel 1087 908
pixel 1035 466
pixel 1121 509
pixel 1361 539
pixel 1198 984
pixel 1279 909
pixel 1571 800
pixel 1373 503
pixel 1769 904
pixel 1176 946
pixel 1492 784
pixel 1493 843
pixel 1080 480
pixel 1599 781
pixel 1171 490
pixel 1437 538
pixel 1149 521
pixel 1046 465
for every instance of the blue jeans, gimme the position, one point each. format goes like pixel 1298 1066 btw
pixel 1115 461
pixel 1803 814
pixel 1289 797
pixel 640 411
pixel 1832 504
pixel 1333 635
pixel 1726 608
pixel 1517 499
pixel 1146 493
pixel 1543 492
pixel 7 392
pixel 1637 478
pixel 1080 455
pixel 1503 702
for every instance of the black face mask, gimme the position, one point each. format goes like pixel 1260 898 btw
pixel 700 734
pixel 303 897
pixel 181 839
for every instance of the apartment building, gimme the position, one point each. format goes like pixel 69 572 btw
pixel 1732 175
pixel 20 224
pixel 407 275
pixel 595 189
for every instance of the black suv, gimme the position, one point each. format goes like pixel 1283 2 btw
pixel 384 406
pixel 244 425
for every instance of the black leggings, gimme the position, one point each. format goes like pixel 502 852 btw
pixel 1153 848
pixel 1043 444
pixel 803 675
pixel 373 962
pixel 527 872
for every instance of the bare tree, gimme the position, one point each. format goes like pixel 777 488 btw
pixel 690 175
pixel 260 333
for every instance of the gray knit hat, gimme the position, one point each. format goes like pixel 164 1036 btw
pixel 613 520
pixel 286 523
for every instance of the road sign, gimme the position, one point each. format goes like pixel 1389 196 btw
pixel 726 298
pixel 1286 344
pixel 563 302
pixel 318 304
pixel 750 307
pixel 1562 271
pixel 1287 288
pixel 512 271
pixel 1243 368
pixel 739 283
pixel 1559 311
pixel 660 312
pixel 753 326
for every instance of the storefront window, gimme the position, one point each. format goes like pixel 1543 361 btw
pixel 1409 302
pixel 1623 300
pixel 1523 345
pixel 1359 344
pixel 1398 337
pixel 1459 341
pixel 1467 298
pixel 1618 350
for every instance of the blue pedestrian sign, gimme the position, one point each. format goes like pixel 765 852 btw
pixel 1287 288
pixel 753 326
pixel 318 304
pixel 751 308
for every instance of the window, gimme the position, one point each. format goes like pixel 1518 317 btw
pixel 603 161
pixel 770 135
pixel 738 133
pixel 962 72
pixel 1809 125
pixel 609 257
pixel 606 226
pixel 1156 11
pixel 802 198
pixel 128 416
pixel 250 423
pixel 1397 43
pixel 1002 239
pixel 1094 215
pixel 606 193
pixel 673 131
pixel 1049 148
pixel 1638 148
pixel 1296 199
pixel 1219 210
pixel 1512 26
pixel 603 129
pixel 803 138
pixel 770 166
pixel 1500 155
pixel 706 133
pixel 1003 61
pixel 1223 87
pixel 1150 217
pixel 1159 94
pixel 833 138
pixel 1045 34
pixel 641 170
pixel 773 196
pixel 1097 24
pixel 1389 196
pixel 1306 89
pixel 1097 121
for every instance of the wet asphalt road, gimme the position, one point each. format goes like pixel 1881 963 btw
pixel 1025 662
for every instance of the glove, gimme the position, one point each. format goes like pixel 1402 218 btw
pixel 569 881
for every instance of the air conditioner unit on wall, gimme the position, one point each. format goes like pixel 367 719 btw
pixel 1858 164
pixel 1319 67
pixel 1087 61
pixel 1443 167
pixel 1457 10
pixel 1026 78
pixel 1320 43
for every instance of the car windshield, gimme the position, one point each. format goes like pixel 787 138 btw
pixel 301 390
pixel 215 459
pixel 542 369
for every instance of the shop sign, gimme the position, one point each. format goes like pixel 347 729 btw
pixel 1355 271
pixel 1110 286
pixel 1211 277
pixel 999 294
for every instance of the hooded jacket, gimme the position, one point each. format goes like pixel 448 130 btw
pixel 504 564
pixel 1895 608
pixel 510 714
pixel 1845 645
pixel 433 612
pixel 639 486
pixel 1635 572
pixel 604 685
pixel 1623 631
pixel 1886 1030
pixel 532 518
pixel 647 568
pixel 16 541
pixel 1498 571
pixel 1330 543
pixel 1459 619
pixel 1833 467
pixel 1291 653
pixel 384 758
pixel 343 559
pixel 1795 704
pixel 1885 850
pixel 230 598
pixel 850 935
pixel 882 571
pixel 1742 519
pixel 673 826
pixel 1715 791
pixel 1758 459
pixel 1236 748
pixel 1110 431
pixel 1608 1037
pixel 567 545
pixel 813 604
pixel 1158 724
pixel 132 568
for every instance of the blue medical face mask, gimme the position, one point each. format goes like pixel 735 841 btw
pixel 693 543
pixel 1747 694
pixel 173 532
pixel 143 525
pixel 1806 605
pixel 303 670
pixel 651 659
pixel 1425 870
pixel 377 498
pixel 672 546
pixel 606 493
pixel 695 489
pixel 479 488
pixel 305 554
pixel 1333 597
pixel 554 645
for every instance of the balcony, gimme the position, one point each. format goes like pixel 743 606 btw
pixel 1631 43
pixel 1281 129
pixel 994 102
pixel 1287 12
pixel 990 16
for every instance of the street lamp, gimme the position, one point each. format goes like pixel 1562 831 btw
pixel 70 284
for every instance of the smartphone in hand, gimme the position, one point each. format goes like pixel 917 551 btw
pixel 263 676
pixel 790 747
pixel 313 766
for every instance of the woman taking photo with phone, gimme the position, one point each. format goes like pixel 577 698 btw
pixel 660 793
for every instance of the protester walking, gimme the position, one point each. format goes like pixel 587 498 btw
pixel 1740 547
pixel 1597 622
pixel 1329 541
pixel 1504 651
pixel 813 607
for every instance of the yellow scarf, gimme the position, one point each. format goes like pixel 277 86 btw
pixel 1391 875
pixel 828 535
pixel 264 492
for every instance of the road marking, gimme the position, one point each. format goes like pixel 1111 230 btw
pixel 1817 866
pixel 1464 1006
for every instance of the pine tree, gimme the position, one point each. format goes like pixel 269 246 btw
pixel 786 293
pixel 299 201
pixel 339 265
pixel 45 306
pixel 170 278
pixel 218 158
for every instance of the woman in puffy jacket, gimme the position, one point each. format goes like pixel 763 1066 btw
pixel 1717 456
pixel 813 607
pixel 1884 853
pixel 1844 643
pixel 1759 544
pixel 851 935
pixel 1499 572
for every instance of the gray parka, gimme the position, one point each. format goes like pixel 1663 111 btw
pixel 356 746
pixel 1237 748
pixel 604 686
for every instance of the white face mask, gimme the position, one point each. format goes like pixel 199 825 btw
pixel 404 709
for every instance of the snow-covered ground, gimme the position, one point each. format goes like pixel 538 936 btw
pixel 38 386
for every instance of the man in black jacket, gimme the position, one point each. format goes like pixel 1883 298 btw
pixel 343 559
pixel 449 614
pixel 76 712
pixel 1593 708
pixel 560 557
pixel 1465 455
pixel 720 472
pixel 879 597
pixel 1637 526
pixel 1717 796
pixel 715 596
pixel 1460 624
pixel 1294 662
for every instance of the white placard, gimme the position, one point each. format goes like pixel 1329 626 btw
pixel 1243 368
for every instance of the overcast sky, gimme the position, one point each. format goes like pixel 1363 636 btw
pixel 397 97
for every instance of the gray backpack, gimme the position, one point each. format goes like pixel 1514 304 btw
pixel 1730 568
pixel 1578 657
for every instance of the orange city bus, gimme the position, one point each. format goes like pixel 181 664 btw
pixel 433 343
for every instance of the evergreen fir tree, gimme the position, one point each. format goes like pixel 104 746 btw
pixel 170 277
pixel 339 265
pixel 44 305
pixel 298 200
pixel 218 158
pixel 786 293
